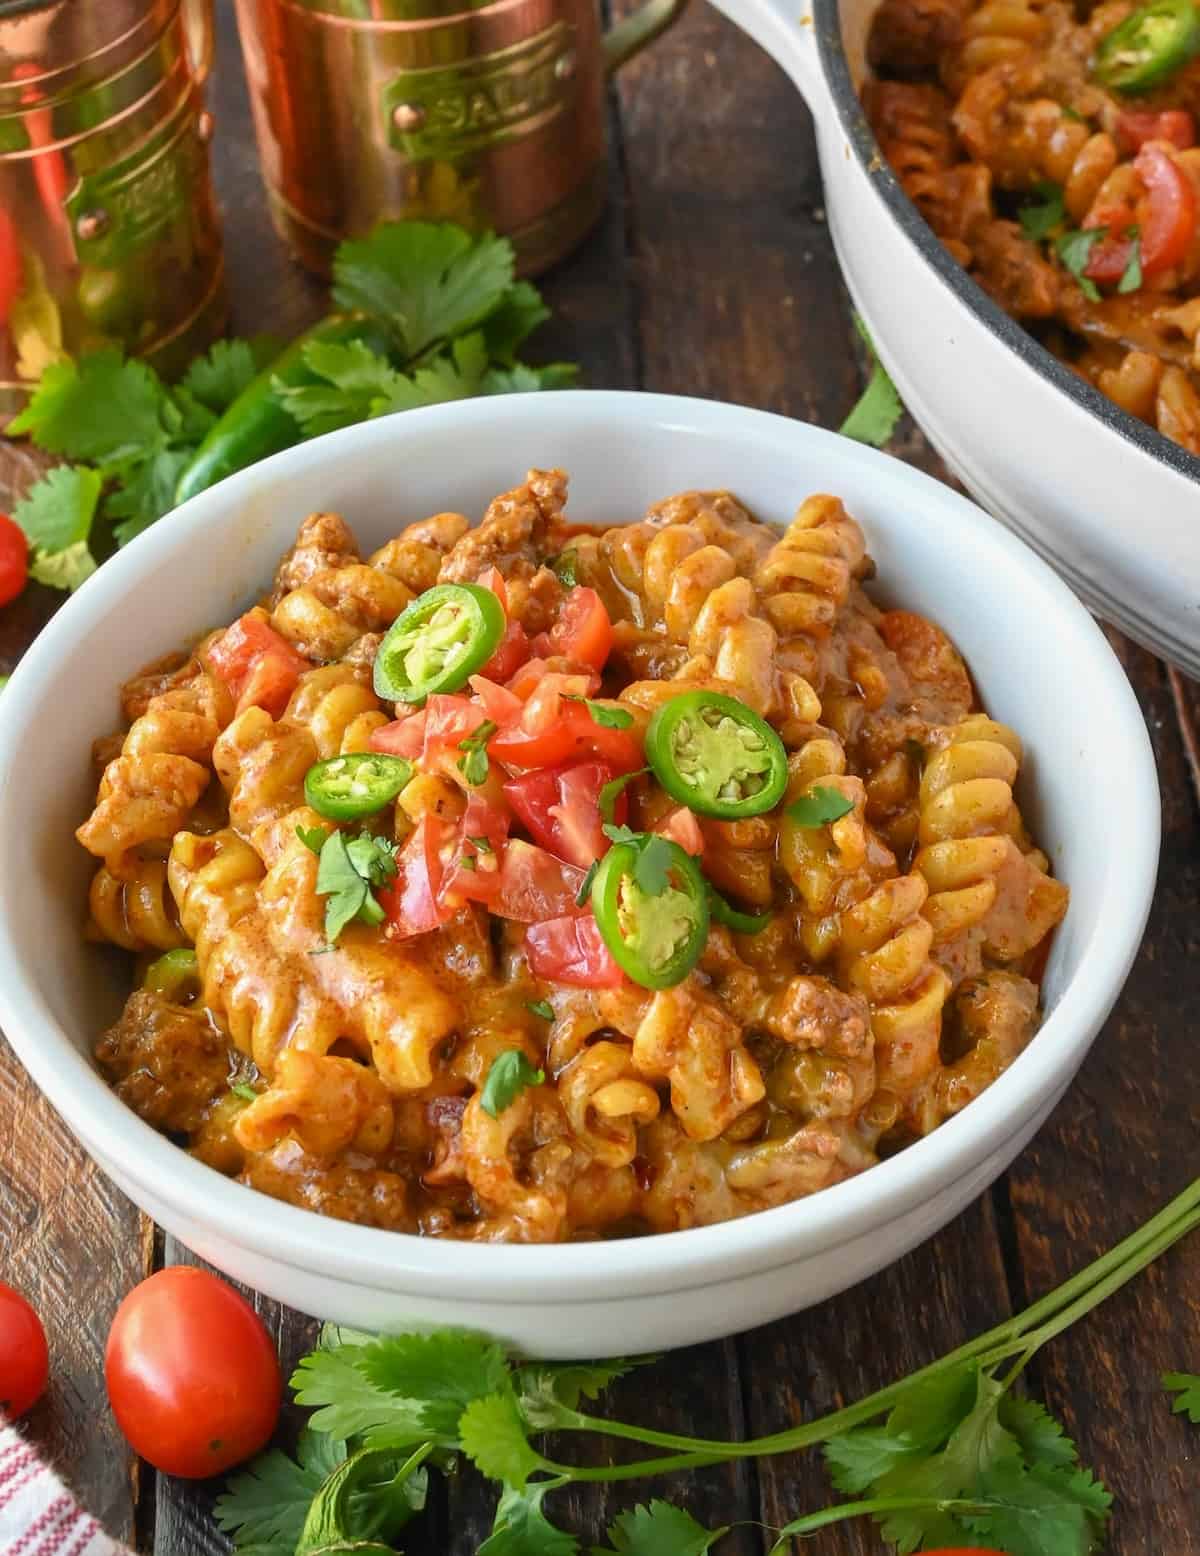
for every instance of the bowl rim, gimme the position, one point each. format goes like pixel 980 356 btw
pixel 657 1263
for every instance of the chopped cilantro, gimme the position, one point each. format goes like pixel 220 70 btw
pixel 510 1073
pixel 473 764
pixel 1131 276
pixel 1074 249
pixel 819 807
pixel 345 875
pixel 1039 220
pixel 542 1008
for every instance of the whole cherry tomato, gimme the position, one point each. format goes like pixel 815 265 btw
pixel 192 1375
pixel 24 1359
pixel 14 559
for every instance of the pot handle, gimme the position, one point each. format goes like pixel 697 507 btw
pixel 630 37
pixel 787 32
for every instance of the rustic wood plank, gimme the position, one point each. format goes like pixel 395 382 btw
pixel 1117 1148
pixel 73 1244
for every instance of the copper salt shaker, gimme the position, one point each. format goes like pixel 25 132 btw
pixel 108 229
pixel 489 113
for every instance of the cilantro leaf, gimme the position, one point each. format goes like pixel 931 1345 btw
pixel 1040 1512
pixel 348 1403
pixel 1131 276
pixel 508 1076
pixel 373 858
pixel 222 373
pixel 456 375
pixel 1042 1439
pixel 492 1435
pixel 313 838
pixel 608 717
pixel 1039 221
pixel 424 282
pixel 542 1008
pixel 58 511
pixel 819 807
pixel 473 764
pixel 440 1373
pixel 658 1530
pixel 548 1392
pixel 621 834
pixel 345 875
pixel 873 419
pixel 1187 1386
pixel 653 864
pixel 521 378
pixel 512 320
pixel 98 409
pixel 563 567
pixel 148 492
pixel 1074 249
pixel 611 792
pixel 522 1529
pixel 268 1503
pixel 357 383
pixel 63 569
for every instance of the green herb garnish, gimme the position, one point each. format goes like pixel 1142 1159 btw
pixel 541 1008
pixel 509 1075
pixel 345 875
pixel 1039 221
pixel 819 807
pixel 874 418
pixel 1074 249
pixel 473 764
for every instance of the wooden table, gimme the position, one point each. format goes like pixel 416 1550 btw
pixel 713 274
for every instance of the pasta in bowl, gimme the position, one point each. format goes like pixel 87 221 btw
pixel 1085 788
pixel 531 883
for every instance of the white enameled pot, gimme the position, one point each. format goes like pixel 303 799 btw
pixel 1039 661
pixel 1111 503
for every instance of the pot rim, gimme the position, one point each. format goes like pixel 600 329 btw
pixel 835 70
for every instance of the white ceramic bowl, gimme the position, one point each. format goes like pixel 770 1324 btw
pixel 1089 788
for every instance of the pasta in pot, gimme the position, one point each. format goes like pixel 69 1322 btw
pixel 1052 148
pixel 533 883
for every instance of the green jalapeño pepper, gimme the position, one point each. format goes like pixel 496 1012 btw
pixel 717 756
pixel 444 636
pixel 651 907
pixel 1147 47
pixel 176 976
pixel 722 912
pixel 357 784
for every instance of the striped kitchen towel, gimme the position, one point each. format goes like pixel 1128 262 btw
pixel 38 1515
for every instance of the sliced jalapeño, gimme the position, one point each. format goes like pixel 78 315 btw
pixel 655 935
pixel 715 755
pixel 441 639
pixel 1149 46
pixel 343 788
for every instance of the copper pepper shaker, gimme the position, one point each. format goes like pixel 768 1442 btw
pixel 489 113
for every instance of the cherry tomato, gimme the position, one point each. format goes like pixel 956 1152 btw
pixel 560 808
pixel 260 667
pixel 582 631
pixel 14 559
pixel 192 1375
pixel 1135 126
pixel 572 950
pixel 24 1358
pixel 1165 217
pixel 534 885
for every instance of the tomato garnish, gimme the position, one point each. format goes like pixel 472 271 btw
pixel 1135 126
pixel 560 808
pixel 572 950
pixel 681 826
pixel 511 654
pixel 556 727
pixel 497 702
pixel 472 873
pixel 534 885
pixel 14 559
pixel 412 902
pixel 492 578
pixel 582 631
pixel 1165 219
pixel 402 737
pixel 259 667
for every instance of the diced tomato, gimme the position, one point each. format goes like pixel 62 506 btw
pixel 572 950
pixel 448 720
pixel 498 702
pixel 534 885
pixel 412 901
pixel 544 705
pixel 1135 126
pixel 582 630
pixel 1165 218
pixel 681 826
pixel 473 871
pixel 492 578
pixel 560 807
pixel 526 678
pixel 573 735
pixel 511 654
pixel 259 667
pixel 402 737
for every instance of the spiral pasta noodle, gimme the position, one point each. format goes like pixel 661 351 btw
pixel 137 911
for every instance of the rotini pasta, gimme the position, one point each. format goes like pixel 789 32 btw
pixel 1068 194
pixel 502 960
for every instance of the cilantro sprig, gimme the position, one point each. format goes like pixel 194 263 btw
pixel 473 763
pixel 346 873
pixel 508 1076
pixel 879 408
pixel 950 1455
pixel 821 805
pixel 652 865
